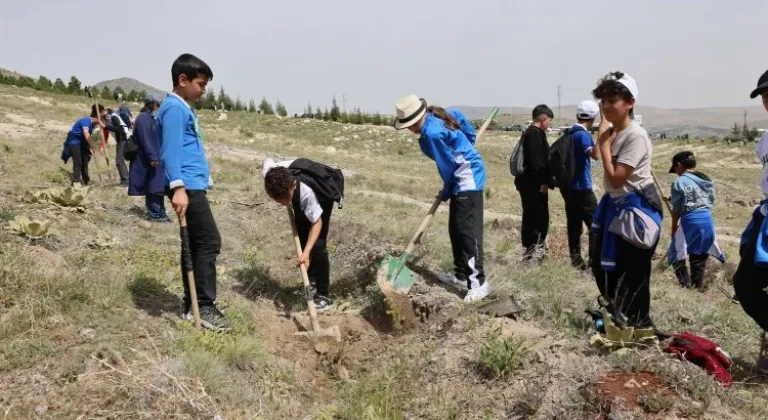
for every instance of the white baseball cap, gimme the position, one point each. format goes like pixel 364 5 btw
pixel 587 110
pixel 630 84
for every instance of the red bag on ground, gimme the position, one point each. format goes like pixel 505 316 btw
pixel 703 353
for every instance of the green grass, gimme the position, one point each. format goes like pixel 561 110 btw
pixel 500 356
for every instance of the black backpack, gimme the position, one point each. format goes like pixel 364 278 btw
pixel 326 182
pixel 131 149
pixel 562 167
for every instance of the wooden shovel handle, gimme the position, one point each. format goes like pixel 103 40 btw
pixel 304 275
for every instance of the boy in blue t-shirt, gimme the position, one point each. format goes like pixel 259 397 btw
pixel 580 201
pixel 79 144
pixel 186 181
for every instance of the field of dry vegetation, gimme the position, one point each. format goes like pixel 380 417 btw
pixel 89 315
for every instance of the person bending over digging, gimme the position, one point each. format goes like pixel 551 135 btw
pixel 79 144
pixel 627 223
pixel 693 229
pixel 183 159
pixel 444 139
pixel 751 278
pixel 287 183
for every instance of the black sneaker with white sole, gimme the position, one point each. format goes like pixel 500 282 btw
pixel 322 304
pixel 211 317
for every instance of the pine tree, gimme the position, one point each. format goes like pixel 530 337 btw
pixel 74 86
pixel 335 112
pixel 326 115
pixel 280 108
pixel 308 110
pixel 132 96
pixel 377 119
pixel 319 113
pixel 265 107
pixel 345 118
pixel 224 100
pixel 94 90
pixel 251 105
pixel 44 83
pixel 357 118
pixel 238 104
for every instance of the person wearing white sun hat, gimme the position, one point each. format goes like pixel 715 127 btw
pixel 627 223
pixel 447 137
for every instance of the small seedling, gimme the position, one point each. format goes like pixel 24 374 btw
pixel 500 356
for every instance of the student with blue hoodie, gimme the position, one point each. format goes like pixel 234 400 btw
pixel 627 222
pixel 79 144
pixel 146 175
pixel 187 180
pixel 447 138
pixel 751 278
pixel 693 229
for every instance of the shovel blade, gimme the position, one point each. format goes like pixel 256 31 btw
pixel 505 306
pixel 398 276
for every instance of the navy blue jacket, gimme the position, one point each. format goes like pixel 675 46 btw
pixel 143 179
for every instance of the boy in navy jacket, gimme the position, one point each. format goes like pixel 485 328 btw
pixel 187 179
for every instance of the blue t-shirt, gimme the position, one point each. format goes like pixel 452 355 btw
pixel 582 146
pixel 76 135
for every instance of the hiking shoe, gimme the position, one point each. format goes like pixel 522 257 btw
pixel 165 219
pixel 322 304
pixel 211 318
pixel 478 293
pixel 186 312
pixel 450 279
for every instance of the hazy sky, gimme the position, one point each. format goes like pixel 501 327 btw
pixel 683 53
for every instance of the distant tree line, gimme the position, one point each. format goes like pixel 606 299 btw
pixel 210 100
pixel 742 134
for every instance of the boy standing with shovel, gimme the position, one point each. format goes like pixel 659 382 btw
pixel 186 181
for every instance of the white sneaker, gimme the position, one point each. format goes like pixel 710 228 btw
pixel 451 280
pixel 478 293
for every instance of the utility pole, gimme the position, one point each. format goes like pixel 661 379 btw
pixel 559 107
pixel 745 118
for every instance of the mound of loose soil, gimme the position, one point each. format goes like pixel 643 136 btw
pixel 628 390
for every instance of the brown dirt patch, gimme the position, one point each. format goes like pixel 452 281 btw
pixel 633 389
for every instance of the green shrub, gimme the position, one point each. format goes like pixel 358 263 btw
pixel 499 356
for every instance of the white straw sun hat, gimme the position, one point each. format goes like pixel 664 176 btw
pixel 409 111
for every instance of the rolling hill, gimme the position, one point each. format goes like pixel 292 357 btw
pixel 697 122
pixel 128 84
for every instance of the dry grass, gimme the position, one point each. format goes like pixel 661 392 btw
pixel 95 333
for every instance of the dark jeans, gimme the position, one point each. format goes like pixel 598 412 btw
pixel 465 227
pixel 204 244
pixel 319 265
pixel 81 156
pixel 696 276
pixel 750 281
pixel 580 206
pixel 535 220
pixel 122 169
pixel 155 206
pixel 628 287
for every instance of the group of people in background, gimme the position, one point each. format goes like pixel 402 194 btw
pixel 624 224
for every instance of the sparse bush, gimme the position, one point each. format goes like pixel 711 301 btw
pixel 265 107
pixel 280 108
pixel 499 356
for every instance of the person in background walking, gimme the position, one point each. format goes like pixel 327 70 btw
pixel 693 229
pixel 534 184
pixel 117 126
pixel 447 138
pixel 580 200
pixel 79 144
pixel 146 176
pixel 751 278
pixel 627 223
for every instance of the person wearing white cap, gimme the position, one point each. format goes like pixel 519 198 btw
pixel 627 223
pixel 580 200
pixel 447 138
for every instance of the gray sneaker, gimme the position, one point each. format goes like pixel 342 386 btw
pixel 212 319
pixel 322 304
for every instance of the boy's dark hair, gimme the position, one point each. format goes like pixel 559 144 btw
pixel 448 120
pixel 191 66
pixel 542 110
pixel 610 86
pixel 685 158
pixel 95 114
pixel 278 182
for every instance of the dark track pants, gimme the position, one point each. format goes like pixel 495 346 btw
pixel 465 227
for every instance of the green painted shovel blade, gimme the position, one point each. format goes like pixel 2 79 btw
pixel 388 270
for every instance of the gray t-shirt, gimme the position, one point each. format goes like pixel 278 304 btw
pixel 632 147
